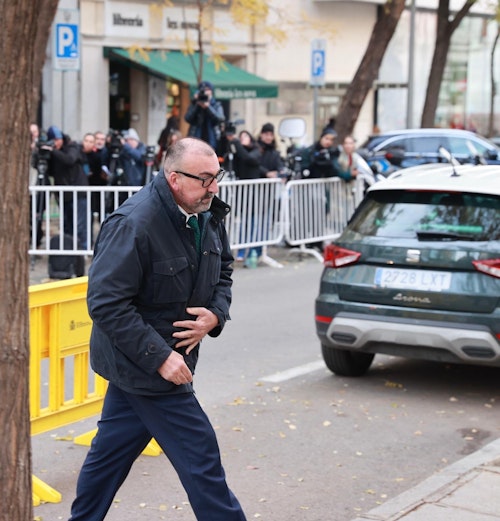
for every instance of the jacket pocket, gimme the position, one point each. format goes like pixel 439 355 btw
pixel 171 280
pixel 215 262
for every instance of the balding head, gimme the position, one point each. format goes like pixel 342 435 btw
pixel 188 164
pixel 184 149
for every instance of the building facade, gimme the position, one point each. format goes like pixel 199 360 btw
pixel 132 69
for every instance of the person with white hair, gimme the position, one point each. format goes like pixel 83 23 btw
pixel 132 157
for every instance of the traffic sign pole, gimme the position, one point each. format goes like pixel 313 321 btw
pixel 318 61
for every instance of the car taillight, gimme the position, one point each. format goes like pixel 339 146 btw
pixel 337 257
pixel 488 266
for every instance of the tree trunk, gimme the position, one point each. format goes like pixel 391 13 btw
pixel 24 25
pixel 493 93
pixel 445 30
pixel 369 67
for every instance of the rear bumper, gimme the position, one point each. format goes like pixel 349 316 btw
pixel 412 339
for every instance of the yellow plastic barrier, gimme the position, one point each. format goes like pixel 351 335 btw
pixel 63 388
pixel 59 332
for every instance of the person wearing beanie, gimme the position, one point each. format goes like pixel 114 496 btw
pixel 270 160
pixel 65 167
pixel 267 127
pixel 205 115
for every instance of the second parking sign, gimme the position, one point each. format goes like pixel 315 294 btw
pixel 318 60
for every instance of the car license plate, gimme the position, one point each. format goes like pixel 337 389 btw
pixel 422 280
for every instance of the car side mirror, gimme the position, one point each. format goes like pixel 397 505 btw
pixel 491 154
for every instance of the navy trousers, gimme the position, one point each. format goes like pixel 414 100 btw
pixel 183 431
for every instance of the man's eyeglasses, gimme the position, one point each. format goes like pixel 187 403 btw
pixel 207 179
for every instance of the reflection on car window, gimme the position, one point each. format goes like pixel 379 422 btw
pixel 427 145
pixel 402 213
pixel 466 147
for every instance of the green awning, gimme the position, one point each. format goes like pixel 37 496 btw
pixel 230 82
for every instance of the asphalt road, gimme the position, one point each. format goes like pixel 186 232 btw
pixel 298 443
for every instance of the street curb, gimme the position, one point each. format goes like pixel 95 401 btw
pixel 395 508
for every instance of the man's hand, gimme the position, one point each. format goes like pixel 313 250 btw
pixel 195 330
pixel 175 370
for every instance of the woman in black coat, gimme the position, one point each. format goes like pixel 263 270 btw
pixel 246 166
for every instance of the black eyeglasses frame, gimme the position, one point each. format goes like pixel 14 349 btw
pixel 205 181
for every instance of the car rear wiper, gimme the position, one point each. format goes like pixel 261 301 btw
pixel 438 235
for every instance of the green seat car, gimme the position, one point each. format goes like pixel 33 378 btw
pixel 416 272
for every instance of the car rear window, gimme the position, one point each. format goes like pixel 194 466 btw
pixel 373 141
pixel 428 215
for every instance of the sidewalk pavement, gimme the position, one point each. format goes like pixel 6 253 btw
pixel 464 491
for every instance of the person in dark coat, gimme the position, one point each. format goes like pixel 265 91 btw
pixel 132 156
pixel 246 164
pixel 65 167
pixel 246 155
pixel 204 115
pixel 271 163
pixel 159 283
pixel 319 161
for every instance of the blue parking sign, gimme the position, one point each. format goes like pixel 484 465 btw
pixel 318 62
pixel 66 41
pixel 66 38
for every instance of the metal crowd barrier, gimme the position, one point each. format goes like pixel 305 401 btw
pixel 264 212
pixel 317 210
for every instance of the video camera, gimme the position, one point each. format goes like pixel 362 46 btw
pixel 115 142
pixel 202 95
pixel 149 161
pixel 230 126
pixel 43 152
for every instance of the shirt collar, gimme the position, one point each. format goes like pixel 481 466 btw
pixel 187 215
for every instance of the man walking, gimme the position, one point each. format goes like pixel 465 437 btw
pixel 160 281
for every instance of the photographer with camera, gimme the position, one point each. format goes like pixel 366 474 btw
pixel 205 115
pixel 65 167
pixel 321 160
pixel 271 163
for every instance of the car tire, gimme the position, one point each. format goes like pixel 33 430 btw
pixel 346 363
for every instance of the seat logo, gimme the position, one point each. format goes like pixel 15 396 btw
pixel 413 256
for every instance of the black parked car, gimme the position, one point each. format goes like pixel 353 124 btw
pixel 416 272
pixel 391 151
